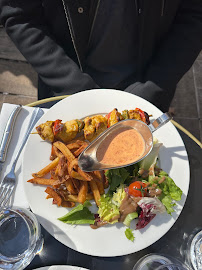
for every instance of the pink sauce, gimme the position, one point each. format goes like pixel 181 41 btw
pixel 123 146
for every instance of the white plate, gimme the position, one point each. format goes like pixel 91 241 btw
pixel 61 267
pixel 108 240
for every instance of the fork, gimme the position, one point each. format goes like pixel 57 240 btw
pixel 9 181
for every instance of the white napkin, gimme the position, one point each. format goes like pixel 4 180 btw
pixel 19 198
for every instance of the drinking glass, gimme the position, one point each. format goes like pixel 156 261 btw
pixel 159 262
pixel 20 238
pixel 171 266
pixel 194 249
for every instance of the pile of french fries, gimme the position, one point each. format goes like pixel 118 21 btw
pixel 66 183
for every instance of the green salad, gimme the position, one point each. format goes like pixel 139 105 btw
pixel 138 192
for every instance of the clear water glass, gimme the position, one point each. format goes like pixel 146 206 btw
pixel 20 238
pixel 194 249
pixel 159 262
pixel 171 266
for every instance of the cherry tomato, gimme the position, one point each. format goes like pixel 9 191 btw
pixel 138 189
pixel 57 126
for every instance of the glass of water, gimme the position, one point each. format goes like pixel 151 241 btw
pixel 159 262
pixel 194 249
pixel 20 238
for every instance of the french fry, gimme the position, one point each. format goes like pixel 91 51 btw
pixel 72 165
pixel 95 191
pixel 47 169
pixel 98 175
pixel 73 145
pixel 76 184
pixel 83 192
pixel 76 175
pixel 85 175
pixel 54 195
pixel 42 181
pixel 57 152
pixel 80 150
pixel 66 152
pixel 57 183
pixel 100 187
pixel 99 181
pixel 65 171
pixel 56 171
pixel 67 204
pixel 74 198
pixel 70 187
pixel 62 167
pixel 53 154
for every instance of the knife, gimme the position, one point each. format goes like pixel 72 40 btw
pixel 8 134
pixel 36 115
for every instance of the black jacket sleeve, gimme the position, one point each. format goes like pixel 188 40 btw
pixel 24 23
pixel 174 56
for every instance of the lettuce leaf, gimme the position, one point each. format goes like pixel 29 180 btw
pixel 170 191
pixel 107 209
pixel 169 188
pixel 119 195
pixel 79 215
pixel 167 201
pixel 129 234
pixel 116 177
pixel 149 162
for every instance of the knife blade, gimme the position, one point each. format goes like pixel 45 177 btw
pixel 36 115
pixel 7 134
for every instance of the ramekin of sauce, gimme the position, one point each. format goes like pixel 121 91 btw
pixel 123 146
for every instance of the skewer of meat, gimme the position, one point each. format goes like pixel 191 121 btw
pixel 91 126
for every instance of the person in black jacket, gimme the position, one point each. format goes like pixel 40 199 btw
pixel 140 46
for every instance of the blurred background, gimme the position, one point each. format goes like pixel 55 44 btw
pixel 18 85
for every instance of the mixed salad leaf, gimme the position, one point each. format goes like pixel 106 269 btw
pixel 116 177
pixel 129 234
pixel 108 210
pixel 144 188
pixel 79 215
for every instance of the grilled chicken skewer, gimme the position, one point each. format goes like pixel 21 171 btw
pixel 91 126
pixel 56 130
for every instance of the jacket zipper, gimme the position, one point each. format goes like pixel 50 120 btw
pixel 93 23
pixel 71 34
pixel 138 8
pixel 140 19
pixel 162 7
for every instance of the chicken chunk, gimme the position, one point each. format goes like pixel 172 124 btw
pixel 45 131
pixel 114 117
pixel 94 126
